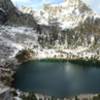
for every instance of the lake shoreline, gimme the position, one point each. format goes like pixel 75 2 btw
pixel 81 95
pixel 70 57
pixel 62 55
pixel 78 60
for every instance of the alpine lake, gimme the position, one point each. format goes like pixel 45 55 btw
pixel 58 78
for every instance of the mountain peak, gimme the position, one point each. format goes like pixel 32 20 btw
pixel 77 4
pixel 72 1
pixel 68 13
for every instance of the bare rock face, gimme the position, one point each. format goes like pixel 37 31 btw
pixel 6 6
pixel 3 16
pixel 10 15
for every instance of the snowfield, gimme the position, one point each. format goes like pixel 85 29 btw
pixel 13 39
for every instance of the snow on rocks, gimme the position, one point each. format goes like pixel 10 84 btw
pixel 13 39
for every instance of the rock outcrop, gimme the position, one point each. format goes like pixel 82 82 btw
pixel 6 8
pixel 12 16
pixel 3 16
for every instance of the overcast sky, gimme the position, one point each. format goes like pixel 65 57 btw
pixel 36 4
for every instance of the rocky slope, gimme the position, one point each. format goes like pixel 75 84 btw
pixel 80 24
pixel 69 24
pixel 13 39
pixel 10 15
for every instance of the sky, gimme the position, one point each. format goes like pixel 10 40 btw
pixel 36 4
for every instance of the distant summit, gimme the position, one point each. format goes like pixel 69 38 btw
pixel 71 21
pixel 68 14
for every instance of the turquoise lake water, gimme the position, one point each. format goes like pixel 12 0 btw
pixel 58 78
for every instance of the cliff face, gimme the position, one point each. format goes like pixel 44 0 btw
pixel 12 16
pixel 6 9
pixel 7 5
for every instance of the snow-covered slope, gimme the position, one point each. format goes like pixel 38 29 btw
pixel 68 14
pixel 13 39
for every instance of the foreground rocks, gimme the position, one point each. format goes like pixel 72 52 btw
pixel 12 94
pixel 3 16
